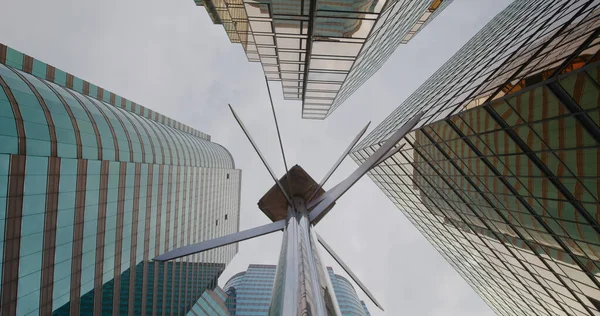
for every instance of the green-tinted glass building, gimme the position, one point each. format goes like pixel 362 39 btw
pixel 502 173
pixel 249 292
pixel 92 187
pixel 211 303
pixel 321 50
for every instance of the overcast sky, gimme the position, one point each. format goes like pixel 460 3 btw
pixel 168 56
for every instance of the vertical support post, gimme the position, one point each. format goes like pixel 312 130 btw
pixel 302 285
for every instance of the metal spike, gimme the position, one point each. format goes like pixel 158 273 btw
pixel 222 241
pixel 388 155
pixel 287 172
pixel 339 161
pixel 347 269
pixel 333 195
pixel 262 158
pixel 318 200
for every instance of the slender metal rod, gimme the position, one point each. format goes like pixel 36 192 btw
pixel 339 161
pixel 312 203
pixel 260 155
pixel 333 195
pixel 347 269
pixel 222 241
pixel 279 136
pixel 388 155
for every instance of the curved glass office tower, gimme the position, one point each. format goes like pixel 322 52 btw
pixel 249 293
pixel 92 186
pixel 502 173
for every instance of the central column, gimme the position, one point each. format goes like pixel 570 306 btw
pixel 302 285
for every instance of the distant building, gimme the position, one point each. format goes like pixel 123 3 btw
pixel 211 303
pixel 249 292
pixel 321 51
pixel 92 187
pixel 502 174
pixel 346 296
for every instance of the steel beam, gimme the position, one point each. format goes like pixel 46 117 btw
pixel 222 241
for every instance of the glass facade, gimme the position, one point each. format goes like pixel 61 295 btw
pixel 249 292
pixel 92 187
pixel 501 174
pixel 211 303
pixel 346 296
pixel 321 51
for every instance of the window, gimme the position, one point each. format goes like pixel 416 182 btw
pixel 225 216
pixel 217 222
pixel 228 176
pixel 594 301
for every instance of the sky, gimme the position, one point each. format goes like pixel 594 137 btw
pixel 169 57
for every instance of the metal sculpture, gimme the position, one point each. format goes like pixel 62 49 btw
pixel 302 285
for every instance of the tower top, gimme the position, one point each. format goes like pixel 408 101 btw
pixel 274 203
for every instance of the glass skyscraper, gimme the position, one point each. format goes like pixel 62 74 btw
pixel 249 292
pixel 502 173
pixel 211 303
pixel 346 296
pixel 321 51
pixel 92 187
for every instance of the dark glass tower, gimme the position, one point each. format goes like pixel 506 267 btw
pixel 92 186
pixel 249 292
pixel 321 51
pixel 502 173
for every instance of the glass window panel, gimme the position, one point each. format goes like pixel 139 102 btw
pixel 342 27
pixel 336 48
pixel 269 60
pixel 266 50
pixel 320 94
pixel 292 84
pixel 289 56
pixel 291 67
pixel 326 76
pixel 292 76
pixel 564 133
pixel 323 86
pixel 257 10
pixel 264 40
pixel 330 64
pixel 271 68
pixel 317 101
pixel 287 27
pixel 286 42
pixel 261 26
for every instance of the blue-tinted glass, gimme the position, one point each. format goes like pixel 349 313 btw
pixel 108 150
pixel 14 58
pixel 172 237
pixel 153 210
pixel 77 84
pixel 60 77
pixel 163 225
pixel 142 213
pixel 93 90
pixel 30 263
pixel 118 129
pixel 39 68
pixel 64 231
pixel 29 303
pixel 90 225
pixel 7 125
pixel 134 120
